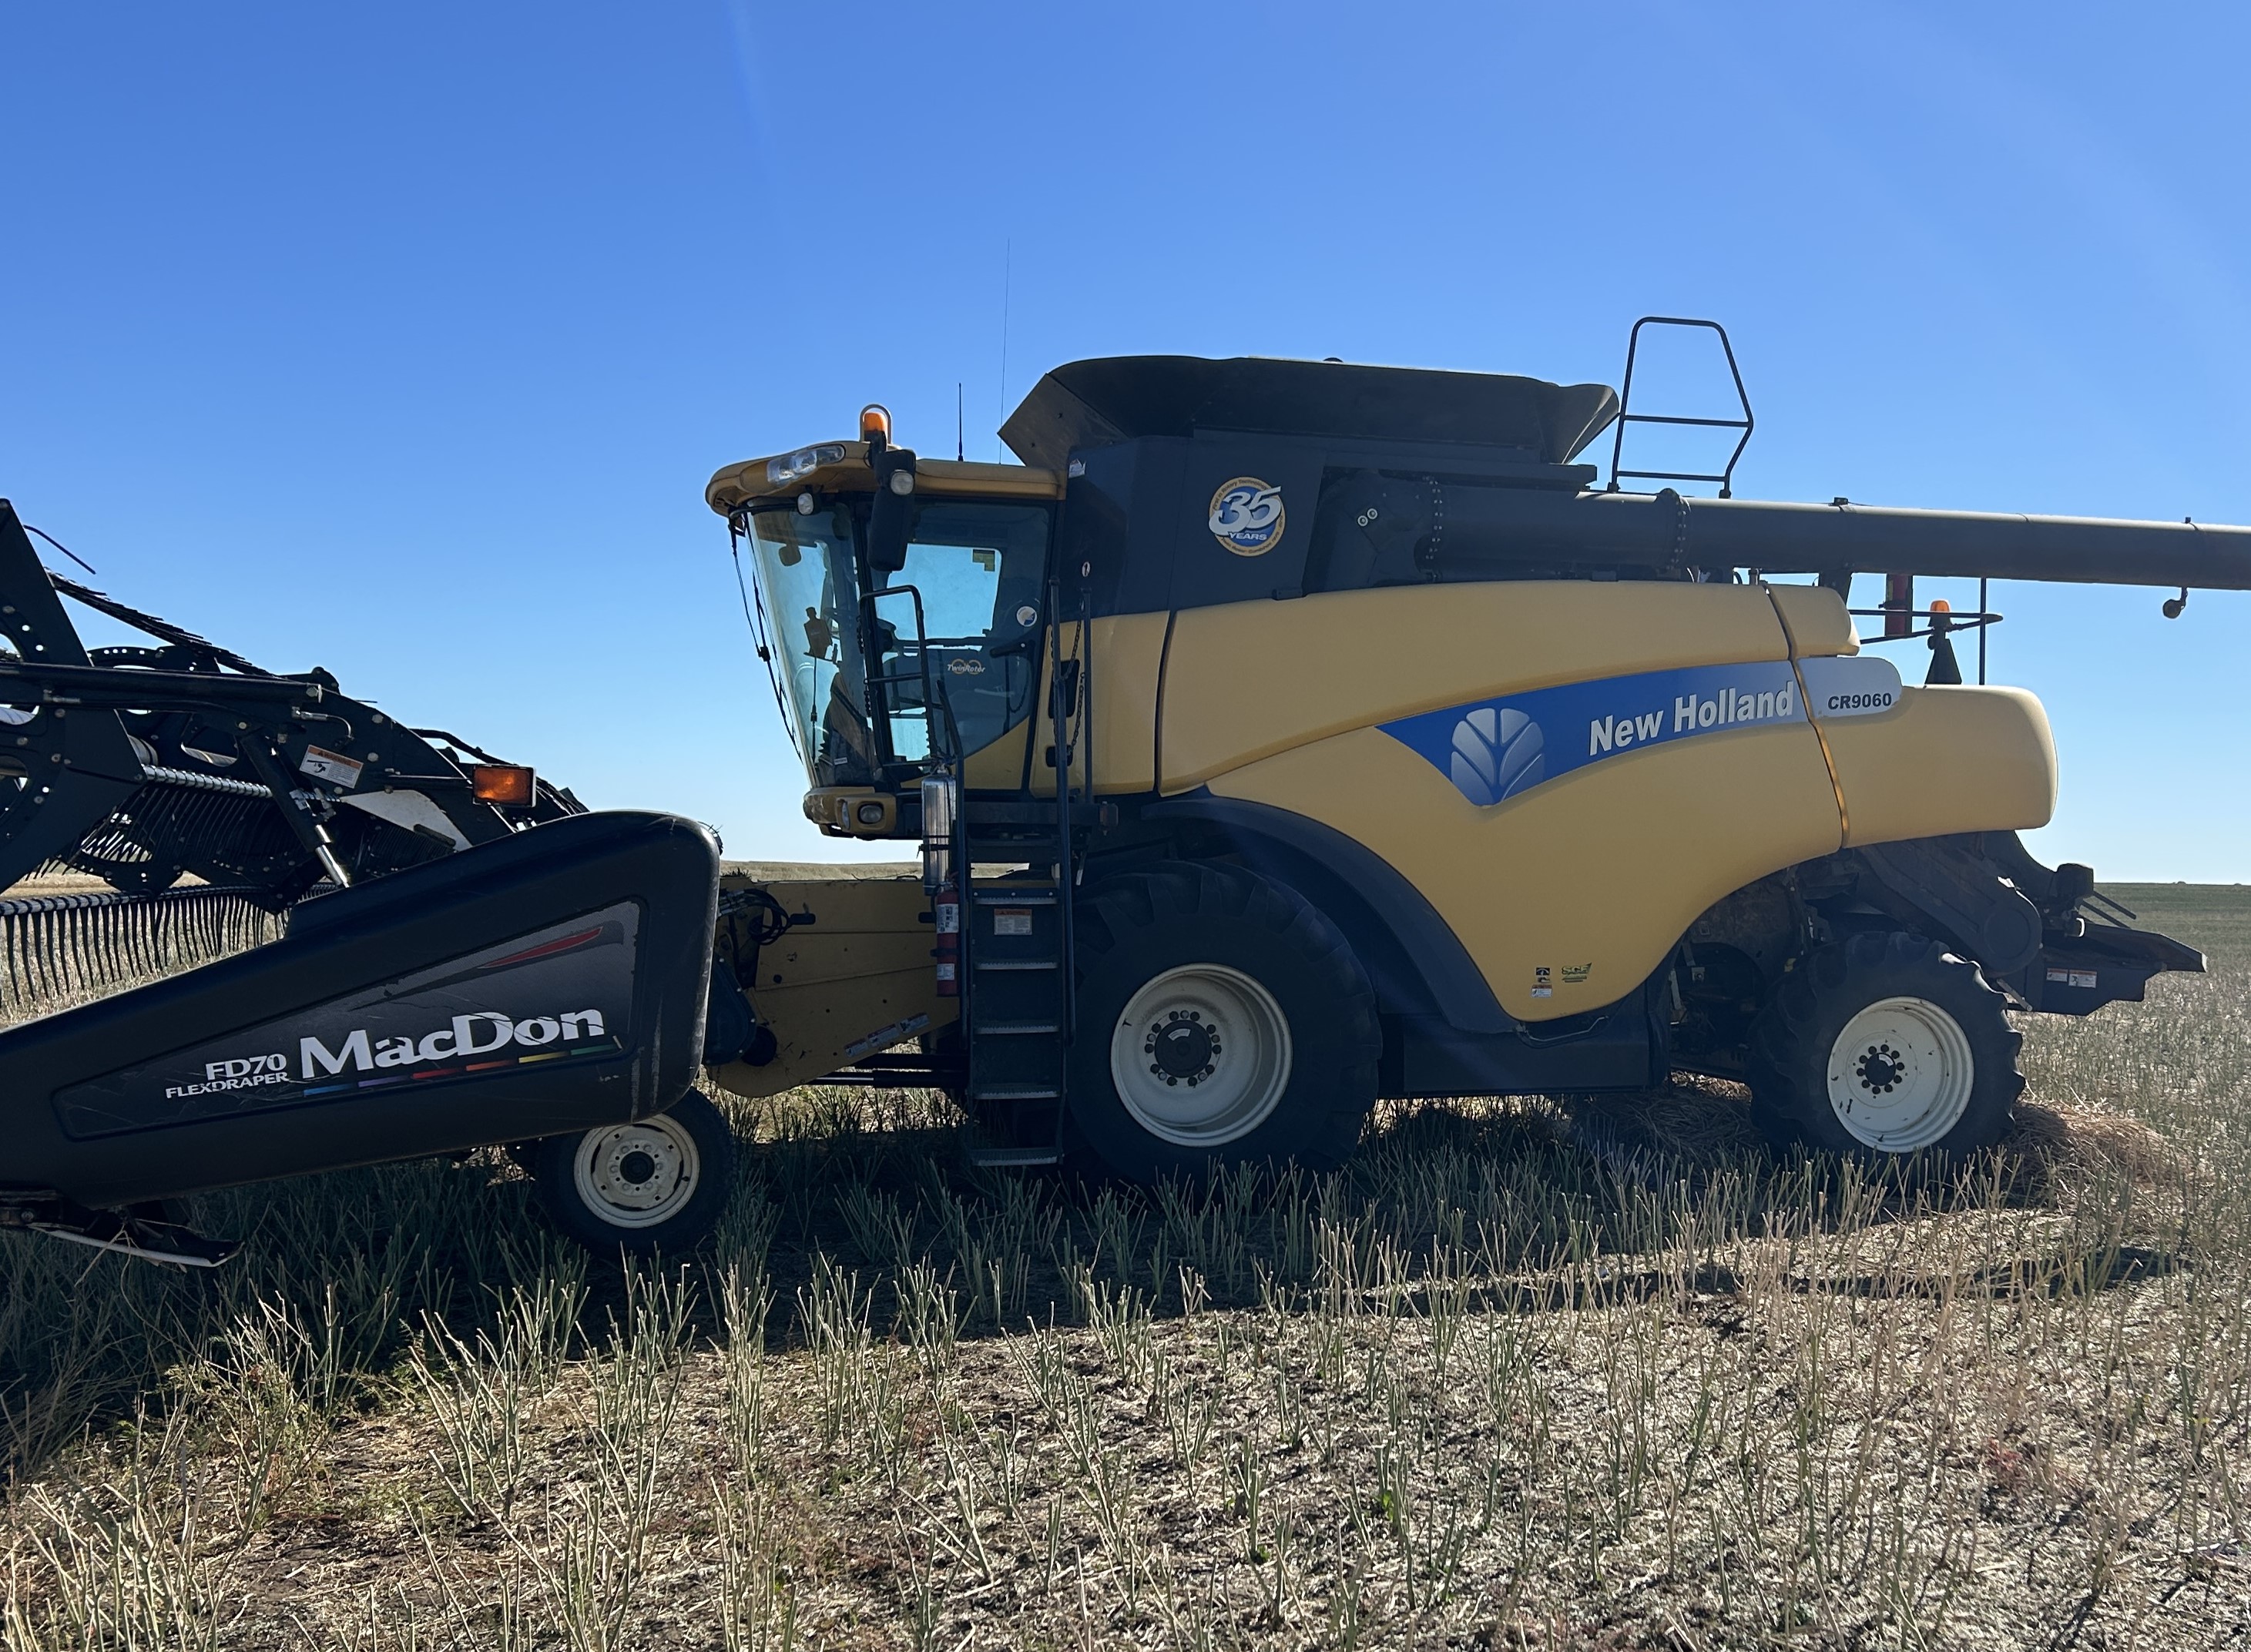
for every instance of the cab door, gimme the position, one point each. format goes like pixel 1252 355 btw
pixel 971 586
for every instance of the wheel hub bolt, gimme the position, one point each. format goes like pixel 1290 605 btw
pixel 1182 1046
pixel 1883 1068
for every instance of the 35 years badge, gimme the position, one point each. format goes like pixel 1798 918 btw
pixel 1247 516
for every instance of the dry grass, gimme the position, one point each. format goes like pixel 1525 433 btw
pixel 1539 1374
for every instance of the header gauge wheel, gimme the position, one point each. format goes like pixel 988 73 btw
pixel 1886 1046
pixel 657 1183
pixel 1221 1019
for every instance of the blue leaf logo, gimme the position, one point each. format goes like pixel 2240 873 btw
pixel 1497 752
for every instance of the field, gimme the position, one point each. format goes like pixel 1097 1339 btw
pixel 1548 1373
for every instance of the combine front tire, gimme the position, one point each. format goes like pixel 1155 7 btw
pixel 1885 1046
pixel 1221 1019
pixel 657 1184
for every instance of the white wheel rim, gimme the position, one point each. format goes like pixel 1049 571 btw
pixel 1201 1055
pixel 1900 1074
pixel 637 1175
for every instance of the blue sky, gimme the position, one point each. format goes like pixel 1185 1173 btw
pixel 402 340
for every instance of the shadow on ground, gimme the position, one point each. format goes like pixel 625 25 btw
pixel 1520 1205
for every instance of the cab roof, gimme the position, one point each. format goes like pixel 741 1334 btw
pixel 830 466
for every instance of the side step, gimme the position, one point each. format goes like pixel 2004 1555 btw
pixel 1013 1158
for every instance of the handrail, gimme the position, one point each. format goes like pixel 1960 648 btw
pixel 1625 415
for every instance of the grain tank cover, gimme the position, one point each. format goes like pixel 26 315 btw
pixel 1096 404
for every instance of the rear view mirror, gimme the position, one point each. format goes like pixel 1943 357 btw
pixel 890 519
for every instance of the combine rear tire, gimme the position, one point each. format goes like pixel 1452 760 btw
pixel 1885 1046
pixel 657 1184
pixel 1222 1020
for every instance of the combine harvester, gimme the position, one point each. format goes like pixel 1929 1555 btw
pixel 1279 736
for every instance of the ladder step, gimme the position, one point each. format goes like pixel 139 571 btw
pixel 1013 1158
pixel 1014 1093
pixel 1020 1029
pixel 1015 963
pixel 1003 897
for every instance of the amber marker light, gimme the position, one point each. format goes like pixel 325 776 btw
pixel 876 424
pixel 506 785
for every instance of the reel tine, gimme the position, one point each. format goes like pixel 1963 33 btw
pixel 58 950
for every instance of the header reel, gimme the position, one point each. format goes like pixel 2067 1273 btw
pixel 140 764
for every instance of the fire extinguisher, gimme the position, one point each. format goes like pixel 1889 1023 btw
pixel 945 911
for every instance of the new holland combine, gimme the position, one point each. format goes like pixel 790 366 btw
pixel 1277 736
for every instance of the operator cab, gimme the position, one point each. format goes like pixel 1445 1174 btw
pixel 899 603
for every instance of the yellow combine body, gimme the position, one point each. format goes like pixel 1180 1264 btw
pixel 1319 733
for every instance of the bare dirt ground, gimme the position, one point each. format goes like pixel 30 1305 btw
pixel 1545 1373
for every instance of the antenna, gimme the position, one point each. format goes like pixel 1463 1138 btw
pixel 1008 269
pixel 959 451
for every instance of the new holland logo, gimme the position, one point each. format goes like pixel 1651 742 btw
pixel 1497 749
pixel 1497 752
pixel 1247 517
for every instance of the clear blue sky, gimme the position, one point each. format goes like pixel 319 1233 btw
pixel 401 338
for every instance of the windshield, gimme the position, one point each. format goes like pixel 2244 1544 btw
pixel 971 580
pixel 805 576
